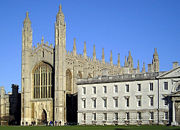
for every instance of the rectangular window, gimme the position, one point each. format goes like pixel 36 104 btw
pixel 94 103
pixel 139 87
pixel 84 116
pixel 151 86
pixel 84 103
pixel 84 90
pixel 151 101
pixel 139 102
pixel 127 102
pixel 94 116
pixel 115 102
pixel 105 89
pixel 105 102
pixel 139 115
pixel 105 116
pixel 165 85
pixel 115 88
pixel 152 115
pixel 94 90
pixel 166 115
pixel 116 116
pixel 127 115
pixel 127 87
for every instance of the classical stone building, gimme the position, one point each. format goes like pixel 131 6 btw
pixel 10 105
pixel 50 73
pixel 141 98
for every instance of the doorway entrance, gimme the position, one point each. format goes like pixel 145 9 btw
pixel 71 109
pixel 44 117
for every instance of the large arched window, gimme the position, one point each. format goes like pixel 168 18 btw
pixel 42 77
pixel 68 80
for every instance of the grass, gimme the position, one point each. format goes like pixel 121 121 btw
pixel 144 127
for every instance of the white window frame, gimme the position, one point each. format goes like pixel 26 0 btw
pixel 105 89
pixel 94 90
pixel 94 104
pixel 127 88
pixel 151 86
pixel 94 117
pixel 127 102
pixel 166 83
pixel 116 116
pixel 127 115
pixel 139 114
pixel 84 116
pixel 105 116
pixel 83 103
pixel 104 102
pixel 115 102
pixel 151 101
pixel 83 90
pixel 115 89
pixel 139 100
pixel 151 115
pixel 139 86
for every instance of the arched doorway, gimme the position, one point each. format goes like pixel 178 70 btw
pixel 44 117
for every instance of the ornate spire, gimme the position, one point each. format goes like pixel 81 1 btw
pixel 125 62
pixel 119 60
pixel 94 53
pixel 111 59
pixel 74 47
pixel 27 22
pixel 130 60
pixel 143 69
pixel 138 67
pixel 27 33
pixel 60 16
pixel 85 54
pixel 103 58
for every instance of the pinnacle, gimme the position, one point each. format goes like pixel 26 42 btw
pixel 60 8
pixel 27 20
pixel 27 14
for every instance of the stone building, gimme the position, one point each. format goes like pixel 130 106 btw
pixel 142 98
pixel 10 105
pixel 4 107
pixel 50 73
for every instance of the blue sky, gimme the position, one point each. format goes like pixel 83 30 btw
pixel 117 25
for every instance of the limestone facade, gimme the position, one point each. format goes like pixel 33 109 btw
pixel 50 72
pixel 10 106
pixel 144 98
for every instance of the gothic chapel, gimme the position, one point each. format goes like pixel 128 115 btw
pixel 49 75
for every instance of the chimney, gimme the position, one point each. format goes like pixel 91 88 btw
pixel 175 64
pixel 150 68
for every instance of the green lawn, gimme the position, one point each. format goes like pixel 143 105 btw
pixel 90 128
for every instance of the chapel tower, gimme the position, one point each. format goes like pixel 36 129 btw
pixel 60 67
pixel 25 70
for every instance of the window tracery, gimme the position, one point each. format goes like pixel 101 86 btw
pixel 42 85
